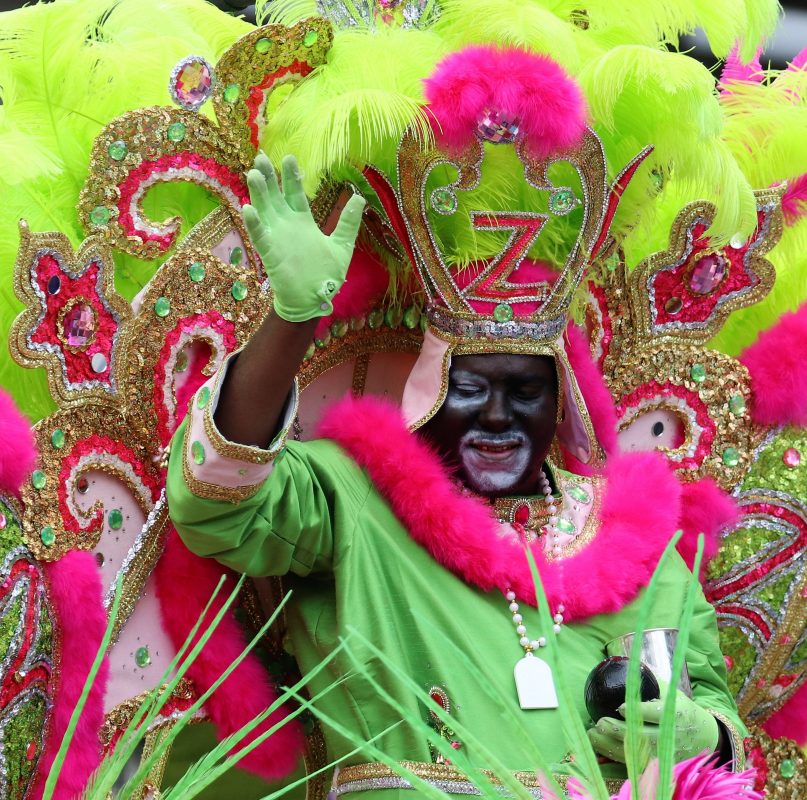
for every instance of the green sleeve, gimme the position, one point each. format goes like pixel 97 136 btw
pixel 289 524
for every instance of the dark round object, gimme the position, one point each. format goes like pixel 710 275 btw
pixel 605 687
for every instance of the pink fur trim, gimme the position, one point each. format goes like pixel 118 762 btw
pixel 185 583
pixel 791 719
pixel 638 516
pixel 547 102
pixel 706 509
pixel 734 71
pixel 17 451
pixel 75 590
pixel 794 200
pixel 779 372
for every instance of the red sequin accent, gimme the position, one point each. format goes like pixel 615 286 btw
pixel 258 95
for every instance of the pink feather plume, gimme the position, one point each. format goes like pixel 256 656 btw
pixel 17 450
pixel 735 71
pixel 794 200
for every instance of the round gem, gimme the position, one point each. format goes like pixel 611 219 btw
pixel 562 202
pixel 176 131
pixel 731 457
pixel 47 536
pixel 3 521
pixel 324 341
pixel 375 319
pixel 674 305
pixel 99 559
pixel 162 307
pixel 100 215
pixel 791 457
pixel 578 493
pixel 78 325
pixel 310 39
pixel 565 526
pixel 503 312
pixel 444 201
pixel 236 255
pixel 231 93
pixel 142 657
pixel 196 271
pixel 708 273
pixel 98 363
pixel 698 373
pixel 57 438
pixel 193 83
pixel 787 769
pixel 181 363
pixel 239 290
pixel 117 150
pixel 115 519
pixel 729 662
pixel 198 453
pixel 737 405
pixel 54 284
pixel 263 45
pixel 393 317
pixel 30 751
pixel 411 317
pixel 358 323
pixel 82 485
pixel 339 328
pixel 38 479
pixel 737 241
pixel 203 397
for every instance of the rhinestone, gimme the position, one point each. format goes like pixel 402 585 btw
pixel 181 363
pixel 239 290
pixel 737 405
pixel 38 479
pixel 115 519
pixel 203 397
pixel 708 273
pixel 324 341
pixel 310 39
pixel 375 319
pixel 231 93
pixel 263 45
pixel 236 255
pixel 562 202
pixel 82 485
pixel 521 515
pixel 142 657
pixel 98 363
pixel 411 318
pixel 99 559
pixel 30 751
pixel 339 328
pixel 698 373
pixel 358 323
pixel 176 132
pixel 57 439
pixel 100 215
pixel 674 305
pixel 78 325
pixel 198 453
pixel 578 493
pixel 117 150
pixel 737 241
pixel 393 317
pixel 565 526
pixel 162 307
pixel 496 128
pixel 791 457
pixel 3 521
pixel 787 769
pixel 193 83
pixel 444 201
pixel 196 272
pixel 731 457
pixel 47 536
pixel 503 312
pixel 54 284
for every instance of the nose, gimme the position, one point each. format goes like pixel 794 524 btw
pixel 497 414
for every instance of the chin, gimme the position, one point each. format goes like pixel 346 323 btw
pixel 491 483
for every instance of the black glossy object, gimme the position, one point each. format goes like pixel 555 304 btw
pixel 605 687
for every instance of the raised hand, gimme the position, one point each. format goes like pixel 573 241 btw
pixel 306 268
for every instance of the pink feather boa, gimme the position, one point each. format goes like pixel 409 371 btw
pixel 638 516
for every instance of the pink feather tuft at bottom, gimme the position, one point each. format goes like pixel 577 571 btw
pixel 706 509
pixel 17 451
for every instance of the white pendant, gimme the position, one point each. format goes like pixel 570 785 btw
pixel 534 683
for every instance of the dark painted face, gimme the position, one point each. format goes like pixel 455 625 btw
pixel 498 420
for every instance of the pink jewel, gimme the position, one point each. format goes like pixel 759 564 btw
pixel 495 127
pixel 79 325
pixel 3 521
pixel 708 272
pixel 729 662
pixel 791 457
pixel 193 83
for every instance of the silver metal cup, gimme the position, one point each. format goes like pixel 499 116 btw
pixel 658 647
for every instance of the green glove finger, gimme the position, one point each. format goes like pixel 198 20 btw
pixel 612 728
pixel 293 184
pixel 258 232
pixel 606 746
pixel 347 229
pixel 259 196
pixel 264 166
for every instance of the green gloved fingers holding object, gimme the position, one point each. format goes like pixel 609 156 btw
pixel 306 268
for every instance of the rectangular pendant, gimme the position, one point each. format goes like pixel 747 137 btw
pixel 534 683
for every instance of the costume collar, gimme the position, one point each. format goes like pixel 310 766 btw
pixel 638 515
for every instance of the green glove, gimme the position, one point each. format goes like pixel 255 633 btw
pixel 306 268
pixel 696 730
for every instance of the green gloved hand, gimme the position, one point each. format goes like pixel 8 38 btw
pixel 306 268
pixel 696 730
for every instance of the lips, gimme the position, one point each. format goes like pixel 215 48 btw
pixel 495 451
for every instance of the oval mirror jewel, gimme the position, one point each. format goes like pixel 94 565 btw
pixel 708 273
pixel 191 82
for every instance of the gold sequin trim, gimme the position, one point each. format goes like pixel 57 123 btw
pixel 735 738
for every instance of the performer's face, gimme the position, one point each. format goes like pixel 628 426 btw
pixel 497 422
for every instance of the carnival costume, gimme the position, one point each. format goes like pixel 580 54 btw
pixel 378 537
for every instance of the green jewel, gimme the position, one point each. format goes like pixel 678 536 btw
pixel 181 364
pixel 236 256
pixel 578 493
pixel 198 453
pixel 100 215
pixel 787 769
pixel 731 457
pixel 117 150
pixel 312 348
pixel 562 202
pixel 115 519
pixel 393 317
pixel 162 307
pixel 324 341
pixel 231 93
pixel 176 131
pixel 411 318
pixel 47 536
pixel 239 290
pixel 196 271
pixel 698 373
pixel 57 438
pixel 444 201
pixel 564 526
pixel 263 45
pixel 38 479
pixel 375 319
pixel 202 397
pixel 339 328
pixel 243 472
pixel 142 657
pixel 737 405
pixel 503 312
pixel 424 323
pixel 310 39
pixel 358 323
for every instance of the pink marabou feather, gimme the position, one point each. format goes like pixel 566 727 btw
pixel 638 516
pixel 75 591
pixel 779 372
pixel 185 583
pixel 547 102
pixel 17 450
pixel 794 200
pixel 791 719
pixel 735 71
